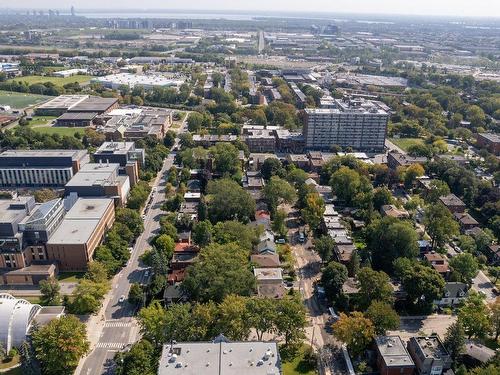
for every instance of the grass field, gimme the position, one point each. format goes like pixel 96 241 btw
pixel 41 120
pixel 20 100
pixel 59 81
pixel 405 143
pixel 297 365
pixel 58 130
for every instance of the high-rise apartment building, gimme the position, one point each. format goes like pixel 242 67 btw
pixel 360 124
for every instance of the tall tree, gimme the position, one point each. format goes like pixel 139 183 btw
pixel 324 247
pixel 60 344
pixel 50 291
pixel 374 286
pixel 278 191
pixel 347 183
pixel 355 331
pixel 454 340
pixel 474 316
pixel 290 320
pixel 465 267
pixel 495 317
pixel 262 315
pixel 439 224
pixel 333 278
pixel 389 239
pixel 383 317
pixel 139 360
pixel 234 318
pixel 313 211
pixel 152 320
pixel 228 201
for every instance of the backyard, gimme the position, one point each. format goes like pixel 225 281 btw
pixel 20 99
pixel 298 364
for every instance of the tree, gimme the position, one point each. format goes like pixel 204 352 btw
pixel 439 224
pixel 132 219
pixel 374 286
pixel 410 174
pixel 60 344
pixel 454 340
pixel 495 317
pixel 382 316
pixel 437 189
pixel 355 331
pixel 313 211
pixel 324 247
pixel 347 183
pixel 381 197
pixel 45 195
pixel 422 284
pixel 50 291
pixel 221 270
pixel 233 231
pixel 474 316
pixel 97 273
pixel 389 239
pixel 225 157
pixel 152 320
pixel 333 278
pixel 262 315
pixel 272 167
pixel 228 201
pixel 139 360
pixel 165 245
pixel 234 318
pixel 465 267
pixel 495 273
pixel 290 320
pixel 278 191
pixel 135 294
pixel 87 296
pixel 202 233
pixel 279 223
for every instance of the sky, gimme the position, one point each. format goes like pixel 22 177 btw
pixel 474 8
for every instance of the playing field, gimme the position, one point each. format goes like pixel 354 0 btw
pixel 59 81
pixel 20 100
pixel 405 143
pixel 58 130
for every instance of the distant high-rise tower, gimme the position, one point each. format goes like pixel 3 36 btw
pixel 72 10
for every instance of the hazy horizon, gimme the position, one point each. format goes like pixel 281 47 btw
pixel 454 8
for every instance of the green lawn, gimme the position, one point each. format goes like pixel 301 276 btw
pixel 59 81
pixel 50 69
pixel 21 100
pixel 297 365
pixel 41 120
pixel 61 130
pixel 405 143
pixel 70 277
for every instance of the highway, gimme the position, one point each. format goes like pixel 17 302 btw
pixel 115 326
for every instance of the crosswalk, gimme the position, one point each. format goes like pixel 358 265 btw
pixel 117 324
pixel 110 345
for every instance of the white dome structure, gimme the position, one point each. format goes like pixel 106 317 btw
pixel 16 316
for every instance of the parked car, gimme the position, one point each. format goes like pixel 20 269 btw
pixel 122 298
pixel 280 241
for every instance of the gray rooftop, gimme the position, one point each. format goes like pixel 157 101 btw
pixel 220 358
pixel 393 351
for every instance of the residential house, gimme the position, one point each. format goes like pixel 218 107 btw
pixel 392 356
pixel 439 263
pixel 454 294
pixel 453 203
pixel 466 221
pixel 429 354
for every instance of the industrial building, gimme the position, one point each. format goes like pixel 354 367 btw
pixel 40 168
pixel 100 180
pixel 73 244
pixel 148 82
pixel 78 104
pixel 359 124
pixel 220 357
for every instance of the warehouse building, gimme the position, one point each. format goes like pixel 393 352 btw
pixel 40 168
pixel 76 119
pixel 76 103
pixel 360 124
pixel 73 244
pixel 148 82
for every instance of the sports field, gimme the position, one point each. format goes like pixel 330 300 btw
pixel 58 130
pixel 59 81
pixel 405 143
pixel 21 100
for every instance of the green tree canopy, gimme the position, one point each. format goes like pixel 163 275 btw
pixel 228 201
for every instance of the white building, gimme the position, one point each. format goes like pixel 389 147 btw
pixel 69 72
pixel 114 81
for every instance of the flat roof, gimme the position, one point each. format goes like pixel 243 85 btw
pixel 75 154
pixel 94 104
pixel 77 116
pixel 88 209
pixel 393 351
pixel 73 231
pixel 63 102
pixel 267 273
pixel 220 358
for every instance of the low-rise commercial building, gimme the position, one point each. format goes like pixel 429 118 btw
pixel 40 168
pixel 392 356
pixel 148 82
pixel 220 357
pixel 396 159
pixel 76 103
pixel 73 244
pixel 260 141
pixel 429 354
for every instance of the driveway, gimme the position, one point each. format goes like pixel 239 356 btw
pixel 483 285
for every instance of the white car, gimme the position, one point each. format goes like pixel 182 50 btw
pixel 122 298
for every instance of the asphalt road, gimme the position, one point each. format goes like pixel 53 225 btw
pixel 119 327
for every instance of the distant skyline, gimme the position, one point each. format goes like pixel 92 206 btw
pixel 460 8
